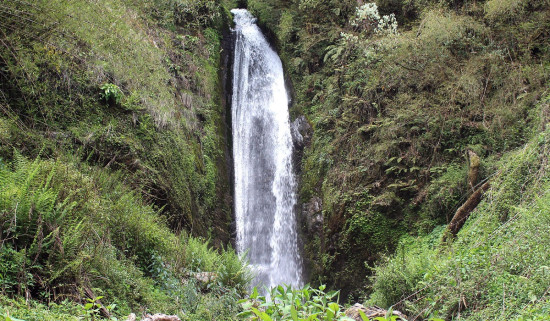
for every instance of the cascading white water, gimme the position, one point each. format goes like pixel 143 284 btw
pixel 265 186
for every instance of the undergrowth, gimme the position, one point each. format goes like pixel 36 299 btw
pixel 497 267
pixel 113 180
pixel 74 233
pixel 394 112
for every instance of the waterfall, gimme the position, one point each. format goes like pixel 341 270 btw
pixel 265 186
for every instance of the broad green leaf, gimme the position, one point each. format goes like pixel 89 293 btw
pixel 254 293
pixel 293 313
pixel 245 314
pixel 312 317
pixel 262 315
pixel 363 316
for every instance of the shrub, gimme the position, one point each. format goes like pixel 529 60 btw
pixel 504 10
pixel 496 266
pixel 111 93
pixel 285 303
pixel 68 231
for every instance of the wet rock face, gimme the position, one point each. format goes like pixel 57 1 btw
pixel 301 132
pixel 313 214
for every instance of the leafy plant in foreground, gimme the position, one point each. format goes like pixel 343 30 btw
pixel 111 92
pixel 285 303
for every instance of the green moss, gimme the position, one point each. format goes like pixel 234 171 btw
pixel 129 172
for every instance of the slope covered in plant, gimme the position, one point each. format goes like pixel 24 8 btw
pixel 497 267
pixel 395 111
pixel 112 146
pixel 72 232
pixel 125 85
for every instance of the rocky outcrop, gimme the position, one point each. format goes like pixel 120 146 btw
pixel 313 214
pixel 371 312
pixel 301 132
pixel 155 317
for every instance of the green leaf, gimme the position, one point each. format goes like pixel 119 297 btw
pixel 312 317
pixel 245 314
pixel 363 316
pixel 330 315
pixel 261 314
pixel 8 318
pixel 293 313
pixel 254 293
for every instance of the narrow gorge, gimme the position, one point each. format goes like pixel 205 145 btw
pixel 274 160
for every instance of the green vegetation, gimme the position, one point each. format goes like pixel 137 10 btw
pixel 113 179
pixel 395 114
pixel 114 186
pixel 78 232
pixel 288 304
pixel 131 86
pixel 497 268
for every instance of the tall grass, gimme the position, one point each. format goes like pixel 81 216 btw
pixel 68 232
pixel 497 268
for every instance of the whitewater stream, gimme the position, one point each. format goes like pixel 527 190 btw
pixel 265 185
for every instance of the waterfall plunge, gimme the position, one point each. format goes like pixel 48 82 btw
pixel 265 187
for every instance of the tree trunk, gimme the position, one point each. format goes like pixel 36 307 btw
pixel 464 211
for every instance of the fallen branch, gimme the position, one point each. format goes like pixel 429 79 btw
pixel 462 214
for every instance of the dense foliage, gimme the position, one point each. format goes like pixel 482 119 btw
pixel 112 146
pixel 114 157
pixel 285 303
pixel 395 111
pixel 132 86
pixel 497 268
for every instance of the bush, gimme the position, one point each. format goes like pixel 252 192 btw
pixel 285 303
pixel 398 275
pixel 69 232
pixel 497 264
pixel 111 93
pixel 504 10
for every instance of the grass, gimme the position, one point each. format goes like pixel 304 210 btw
pixel 72 233
pixel 497 266
pixel 112 153
pixel 394 116
pixel 58 64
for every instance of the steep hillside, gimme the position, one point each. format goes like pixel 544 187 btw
pixel 130 86
pixel 497 268
pixel 396 103
pixel 113 139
